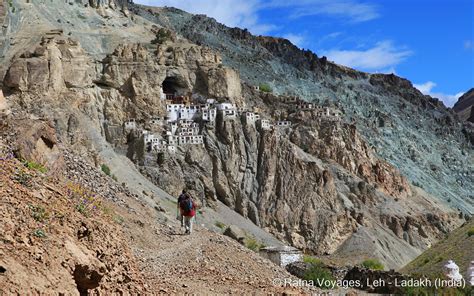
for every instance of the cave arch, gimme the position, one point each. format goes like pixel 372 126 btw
pixel 174 86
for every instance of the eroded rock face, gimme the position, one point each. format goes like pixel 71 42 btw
pixel 313 186
pixel 37 142
pixel 56 64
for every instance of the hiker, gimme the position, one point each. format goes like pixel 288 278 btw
pixel 187 209
pixel 179 212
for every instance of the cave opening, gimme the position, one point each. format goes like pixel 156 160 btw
pixel 172 86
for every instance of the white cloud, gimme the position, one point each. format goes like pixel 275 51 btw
pixel 296 39
pixel 242 14
pixel 352 10
pixel 427 87
pixel 468 44
pixel 383 55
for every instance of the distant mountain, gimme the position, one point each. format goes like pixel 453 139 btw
pixel 464 106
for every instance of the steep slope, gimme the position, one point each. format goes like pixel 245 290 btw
pixel 319 186
pixel 457 246
pixel 464 106
pixel 68 228
pixel 416 133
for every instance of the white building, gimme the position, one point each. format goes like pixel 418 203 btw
pixel 130 125
pixel 283 123
pixel 228 110
pixel 304 106
pixel 173 110
pixel 156 121
pixel 281 256
pixel 193 140
pixel 249 117
pixel 191 112
pixel 264 124
pixel 209 115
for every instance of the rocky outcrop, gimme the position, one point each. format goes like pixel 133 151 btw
pixel 56 64
pixel 385 108
pixel 37 143
pixel 464 106
pixel 314 185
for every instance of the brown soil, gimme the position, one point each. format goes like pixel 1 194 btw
pixel 58 236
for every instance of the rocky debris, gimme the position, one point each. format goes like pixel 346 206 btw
pixel 40 251
pixel 464 106
pixel 235 233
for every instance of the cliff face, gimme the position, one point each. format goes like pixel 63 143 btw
pixel 416 133
pixel 321 185
pixel 464 106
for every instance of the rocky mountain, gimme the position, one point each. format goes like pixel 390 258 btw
pixel 432 149
pixel 464 106
pixel 387 179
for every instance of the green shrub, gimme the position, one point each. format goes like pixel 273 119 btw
pixel 319 275
pixel 470 232
pixel 39 233
pixel 312 260
pixel 39 213
pixel 105 169
pixel 220 224
pixel 253 244
pixel 373 264
pixel 162 36
pixel 35 166
pixel 265 88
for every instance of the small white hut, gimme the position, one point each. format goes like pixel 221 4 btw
pixel 281 256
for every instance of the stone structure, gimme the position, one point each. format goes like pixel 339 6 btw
pixel 281 256
pixel 451 271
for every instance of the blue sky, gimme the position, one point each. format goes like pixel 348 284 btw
pixel 429 42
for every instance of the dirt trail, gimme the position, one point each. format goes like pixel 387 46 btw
pixel 203 262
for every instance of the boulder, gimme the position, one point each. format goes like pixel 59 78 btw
pixel 235 233
pixel 37 142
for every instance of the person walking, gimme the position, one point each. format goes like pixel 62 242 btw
pixel 187 209
pixel 179 212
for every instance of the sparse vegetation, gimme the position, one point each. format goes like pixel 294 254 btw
pixel 470 232
pixel 253 244
pixel 220 225
pixel 35 166
pixel 162 36
pixel 373 264
pixel 311 259
pixel 105 169
pixel 39 213
pixel 23 178
pixel 317 273
pixel 39 233
pixel 265 88
pixel 118 219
